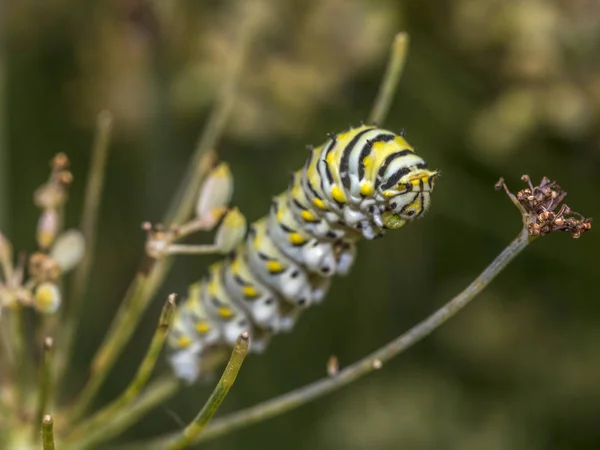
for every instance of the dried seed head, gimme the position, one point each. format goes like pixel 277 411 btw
pixel 68 249
pixel 232 231
pixel 543 211
pixel 47 298
pixel 59 162
pixel 215 195
pixel 53 193
pixel 43 268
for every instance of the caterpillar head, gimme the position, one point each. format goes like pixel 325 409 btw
pixel 407 193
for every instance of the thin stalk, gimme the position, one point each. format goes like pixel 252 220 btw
pixel 182 249
pixel 91 428
pixel 370 363
pixel 48 432
pixel 393 72
pixel 44 383
pixel 148 279
pixel 195 428
pixel 88 226
pixel 22 364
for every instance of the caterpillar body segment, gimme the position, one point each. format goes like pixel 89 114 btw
pixel 358 184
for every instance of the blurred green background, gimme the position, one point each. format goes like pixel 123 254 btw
pixel 492 88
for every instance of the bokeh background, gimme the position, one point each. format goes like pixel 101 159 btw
pixel 492 88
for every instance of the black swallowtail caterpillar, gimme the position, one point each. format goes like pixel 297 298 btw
pixel 359 183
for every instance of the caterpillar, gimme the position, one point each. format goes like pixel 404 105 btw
pixel 358 184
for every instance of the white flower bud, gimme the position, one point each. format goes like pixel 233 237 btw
pixel 47 298
pixel 215 194
pixel 68 249
pixel 231 232
pixel 47 228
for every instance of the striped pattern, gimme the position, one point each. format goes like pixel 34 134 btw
pixel 358 184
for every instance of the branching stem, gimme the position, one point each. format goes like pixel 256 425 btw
pixel 90 432
pixel 368 364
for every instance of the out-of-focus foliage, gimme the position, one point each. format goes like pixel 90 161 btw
pixel 491 88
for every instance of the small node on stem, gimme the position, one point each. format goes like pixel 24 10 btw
pixel 333 366
pixel 377 364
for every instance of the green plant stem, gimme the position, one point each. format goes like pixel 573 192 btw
pixel 157 393
pixel 22 364
pixel 88 225
pixel 91 430
pixel 150 277
pixel 372 362
pixel 44 384
pixel 47 433
pixel 195 428
pixel 393 73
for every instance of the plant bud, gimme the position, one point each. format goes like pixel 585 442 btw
pixel 215 194
pixel 47 298
pixel 231 232
pixel 47 228
pixel 68 249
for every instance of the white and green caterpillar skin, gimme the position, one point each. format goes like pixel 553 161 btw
pixel 359 183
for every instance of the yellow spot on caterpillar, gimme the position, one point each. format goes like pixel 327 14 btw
pixel 184 342
pixel 202 327
pixel 274 267
pixel 249 291
pixel 212 288
pixel 296 239
pixel 331 158
pixel 319 203
pixel 402 143
pixel 225 312
pixel 378 146
pixel 338 195
pixel 368 161
pixel 308 216
pixel 366 189
pixel 279 216
pixel 388 194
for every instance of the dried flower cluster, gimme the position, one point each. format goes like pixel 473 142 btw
pixel 539 207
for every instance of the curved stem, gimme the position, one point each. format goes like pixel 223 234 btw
pixel 391 78
pixel 194 429
pixel 368 364
pixel 90 431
